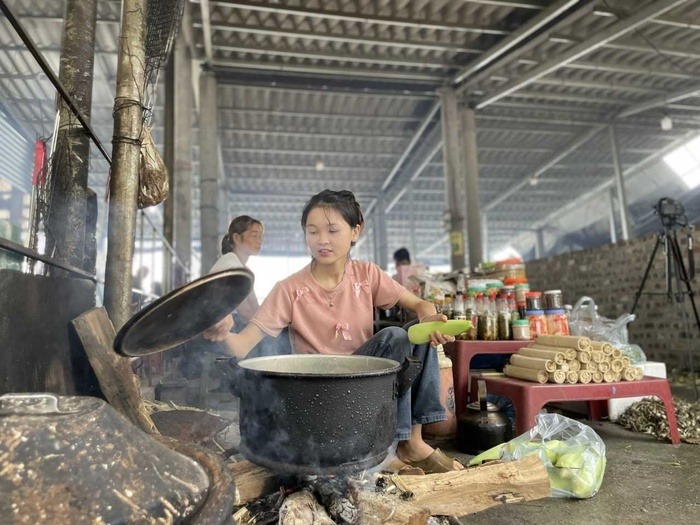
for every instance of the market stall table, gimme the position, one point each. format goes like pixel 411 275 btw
pixel 529 397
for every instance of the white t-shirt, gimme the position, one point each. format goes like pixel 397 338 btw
pixel 227 261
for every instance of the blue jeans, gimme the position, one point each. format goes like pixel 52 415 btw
pixel 420 404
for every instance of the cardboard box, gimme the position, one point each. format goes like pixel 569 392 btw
pixel 617 406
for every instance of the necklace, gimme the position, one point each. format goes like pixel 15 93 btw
pixel 332 298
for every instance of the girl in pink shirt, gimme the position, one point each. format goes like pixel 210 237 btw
pixel 329 307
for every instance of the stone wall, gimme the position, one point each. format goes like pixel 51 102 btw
pixel 611 275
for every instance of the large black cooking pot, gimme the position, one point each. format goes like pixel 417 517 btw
pixel 320 414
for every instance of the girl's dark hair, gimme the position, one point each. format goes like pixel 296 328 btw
pixel 238 225
pixel 341 201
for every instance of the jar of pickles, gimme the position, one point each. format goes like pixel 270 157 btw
pixel 557 322
pixel 537 321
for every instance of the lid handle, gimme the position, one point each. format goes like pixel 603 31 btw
pixel 483 406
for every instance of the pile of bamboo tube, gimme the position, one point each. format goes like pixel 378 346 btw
pixel 571 359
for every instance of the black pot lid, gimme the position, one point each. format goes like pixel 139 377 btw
pixel 184 313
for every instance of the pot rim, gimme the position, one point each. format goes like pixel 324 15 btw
pixel 256 365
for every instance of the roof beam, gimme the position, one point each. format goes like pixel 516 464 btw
pixel 347 16
pixel 316 152
pixel 642 46
pixel 659 101
pixel 367 136
pixel 529 28
pixel 589 45
pixel 283 113
pixel 360 72
pixel 388 61
pixel 266 166
pixel 350 39
pixel 206 29
pixel 374 95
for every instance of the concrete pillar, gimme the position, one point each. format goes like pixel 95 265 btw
pixel 380 242
pixel 539 244
pixel 452 162
pixel 619 184
pixel 126 157
pixel 67 221
pixel 208 170
pixel 485 236
pixel 182 176
pixel 471 185
pixel 412 247
pixel 613 228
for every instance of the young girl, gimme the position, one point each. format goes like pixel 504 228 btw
pixel 329 306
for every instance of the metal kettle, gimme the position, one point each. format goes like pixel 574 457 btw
pixel 482 426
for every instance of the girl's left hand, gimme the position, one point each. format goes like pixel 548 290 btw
pixel 437 337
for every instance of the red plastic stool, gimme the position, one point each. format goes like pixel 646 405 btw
pixel 529 398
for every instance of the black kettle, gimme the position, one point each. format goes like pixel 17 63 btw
pixel 482 426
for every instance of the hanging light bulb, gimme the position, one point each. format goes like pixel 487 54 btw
pixel 320 166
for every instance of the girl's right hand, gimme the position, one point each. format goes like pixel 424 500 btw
pixel 220 330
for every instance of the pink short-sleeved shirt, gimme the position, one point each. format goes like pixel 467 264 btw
pixel 316 327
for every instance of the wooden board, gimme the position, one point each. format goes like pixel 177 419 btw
pixel 117 381
pixel 252 481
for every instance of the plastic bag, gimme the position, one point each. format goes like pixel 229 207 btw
pixel 572 452
pixel 153 175
pixel 584 320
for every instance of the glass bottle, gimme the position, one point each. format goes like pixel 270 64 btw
pixel 447 307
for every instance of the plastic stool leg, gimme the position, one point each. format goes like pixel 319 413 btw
pixel 527 407
pixel 664 394
pixel 597 410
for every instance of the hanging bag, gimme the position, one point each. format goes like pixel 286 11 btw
pixel 153 175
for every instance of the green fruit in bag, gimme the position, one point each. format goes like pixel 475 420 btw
pixel 584 484
pixel 558 482
pixel 491 454
pixel 419 333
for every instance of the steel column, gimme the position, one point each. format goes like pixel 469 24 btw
pixel 124 182
pixel 619 184
pixel 471 180
pixel 208 170
pixel 452 162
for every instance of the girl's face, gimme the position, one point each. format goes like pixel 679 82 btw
pixel 250 241
pixel 328 235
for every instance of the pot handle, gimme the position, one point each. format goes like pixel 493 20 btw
pixel 410 369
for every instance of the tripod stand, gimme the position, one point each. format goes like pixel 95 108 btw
pixel 678 284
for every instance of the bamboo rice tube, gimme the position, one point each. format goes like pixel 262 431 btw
pixel 603 346
pixel 616 353
pixel 617 365
pixel 564 367
pixel 572 377
pixel 638 370
pixel 618 376
pixel 584 376
pixel 558 377
pixel 557 357
pixel 538 376
pixel 591 367
pixel 609 376
pixel 597 376
pixel 629 374
pixel 574 366
pixel 533 362
pixel 583 356
pixel 569 353
pixel 625 361
pixel 597 356
pixel 604 366
pixel 569 341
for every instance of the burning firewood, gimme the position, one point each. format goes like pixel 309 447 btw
pixel 302 508
pixel 340 497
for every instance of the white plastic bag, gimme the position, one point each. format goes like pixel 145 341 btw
pixel 572 452
pixel 584 320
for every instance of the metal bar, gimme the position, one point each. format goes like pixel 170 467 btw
pixel 573 146
pixel 331 92
pixel 315 153
pixel 34 50
pixel 312 114
pixel 10 246
pixel 530 27
pixel 485 236
pixel 598 40
pixel 619 184
pixel 421 167
pixel 358 17
pixel 611 217
pixel 368 136
pixel 432 112
pixel 659 101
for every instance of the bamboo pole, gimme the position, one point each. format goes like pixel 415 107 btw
pixel 585 377
pixel 539 376
pixel 564 367
pixel 558 377
pixel 597 356
pixel 597 376
pixel 626 361
pixel 603 366
pixel 616 353
pixel 617 365
pixel 571 377
pixel 568 341
pixel 609 376
pixel 569 353
pixel 574 365
pixel 557 357
pixel 533 362
pixel 591 367
pixel 583 356
pixel 603 346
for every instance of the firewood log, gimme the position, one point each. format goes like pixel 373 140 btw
pixel 302 508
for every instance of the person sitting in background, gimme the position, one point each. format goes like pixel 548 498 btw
pixel 401 258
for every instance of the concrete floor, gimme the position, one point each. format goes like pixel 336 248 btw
pixel 647 482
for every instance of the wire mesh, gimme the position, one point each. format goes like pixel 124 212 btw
pixel 162 24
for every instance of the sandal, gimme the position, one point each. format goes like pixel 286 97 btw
pixel 436 463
